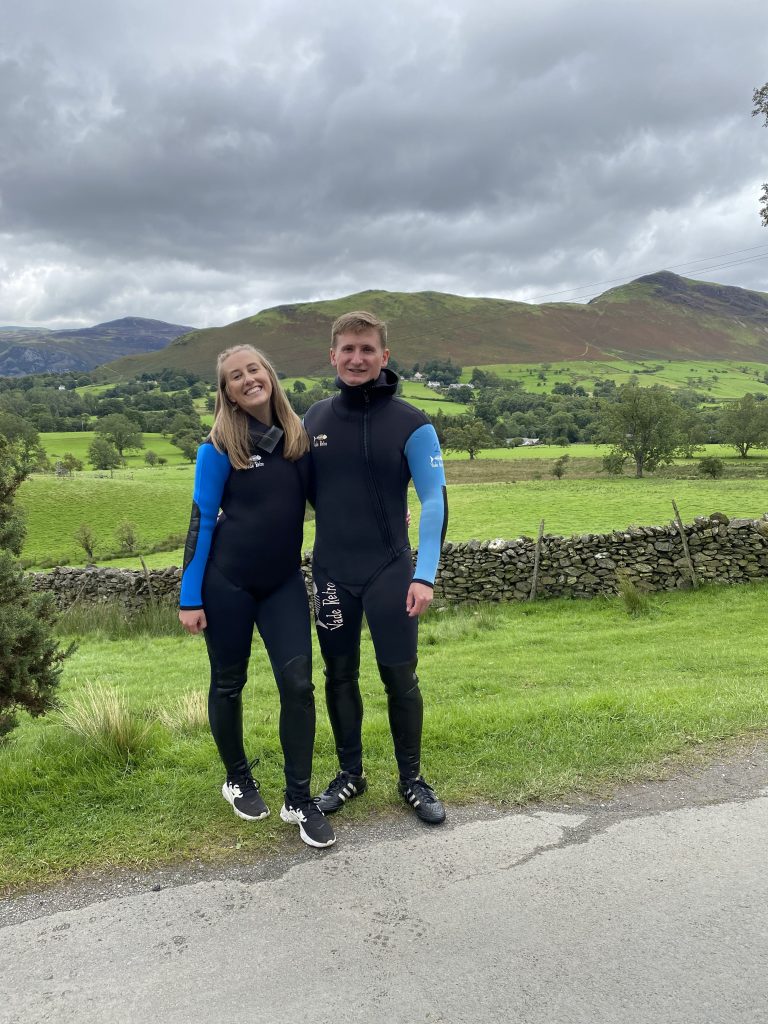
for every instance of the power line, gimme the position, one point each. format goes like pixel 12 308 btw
pixel 702 259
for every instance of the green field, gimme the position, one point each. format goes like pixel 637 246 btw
pixel 77 442
pixel 158 501
pixel 522 703
pixel 721 380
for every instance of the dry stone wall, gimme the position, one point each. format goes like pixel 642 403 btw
pixel 721 551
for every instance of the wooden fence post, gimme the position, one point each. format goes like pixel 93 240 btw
pixel 536 559
pixel 684 539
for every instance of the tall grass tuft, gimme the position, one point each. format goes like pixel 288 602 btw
pixel 188 715
pixel 635 602
pixel 100 717
pixel 458 622
pixel 114 622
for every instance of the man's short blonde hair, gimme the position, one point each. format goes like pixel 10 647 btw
pixel 356 322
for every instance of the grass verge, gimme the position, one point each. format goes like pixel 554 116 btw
pixel 523 703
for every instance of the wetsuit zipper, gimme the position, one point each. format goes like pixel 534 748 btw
pixel 379 504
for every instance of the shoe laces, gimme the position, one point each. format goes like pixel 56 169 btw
pixel 246 782
pixel 339 782
pixel 422 790
pixel 305 809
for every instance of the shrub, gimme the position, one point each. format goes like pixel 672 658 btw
pixel 711 466
pixel 127 537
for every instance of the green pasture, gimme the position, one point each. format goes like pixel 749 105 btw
pixel 159 501
pixel 58 443
pixel 723 380
pixel 523 703
pixel 424 398
pixel 488 510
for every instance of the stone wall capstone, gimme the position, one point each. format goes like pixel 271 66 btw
pixel 721 550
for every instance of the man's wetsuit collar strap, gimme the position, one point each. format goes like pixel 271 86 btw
pixel 384 386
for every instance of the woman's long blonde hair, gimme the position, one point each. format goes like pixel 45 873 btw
pixel 230 424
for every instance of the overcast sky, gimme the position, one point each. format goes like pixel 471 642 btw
pixel 197 161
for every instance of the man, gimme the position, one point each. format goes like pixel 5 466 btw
pixel 365 446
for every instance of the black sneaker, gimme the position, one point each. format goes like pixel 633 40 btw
pixel 314 828
pixel 423 800
pixel 345 786
pixel 242 792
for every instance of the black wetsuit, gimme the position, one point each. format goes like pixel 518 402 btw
pixel 366 445
pixel 243 568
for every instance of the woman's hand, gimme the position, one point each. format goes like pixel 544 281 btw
pixel 193 621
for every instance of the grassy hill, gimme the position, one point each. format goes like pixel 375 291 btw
pixel 661 316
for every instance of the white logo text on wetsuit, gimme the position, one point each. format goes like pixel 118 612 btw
pixel 327 611
pixel 256 462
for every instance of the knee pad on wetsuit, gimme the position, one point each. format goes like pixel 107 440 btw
pixel 295 680
pixel 399 680
pixel 228 682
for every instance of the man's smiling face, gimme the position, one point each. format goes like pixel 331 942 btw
pixel 359 357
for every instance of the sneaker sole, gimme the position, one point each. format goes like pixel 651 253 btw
pixel 290 819
pixel 240 814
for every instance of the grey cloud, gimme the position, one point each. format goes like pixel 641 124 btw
pixel 205 160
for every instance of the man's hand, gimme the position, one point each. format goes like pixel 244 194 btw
pixel 419 599
pixel 193 621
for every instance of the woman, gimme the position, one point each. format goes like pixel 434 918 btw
pixel 244 569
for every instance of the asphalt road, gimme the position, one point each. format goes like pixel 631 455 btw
pixel 650 907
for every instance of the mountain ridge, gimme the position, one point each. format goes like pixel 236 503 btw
pixel 26 350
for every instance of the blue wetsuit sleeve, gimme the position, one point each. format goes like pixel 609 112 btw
pixel 211 472
pixel 425 461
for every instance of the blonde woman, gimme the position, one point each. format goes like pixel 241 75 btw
pixel 242 568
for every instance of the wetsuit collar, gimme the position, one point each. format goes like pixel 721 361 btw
pixel 384 386
pixel 262 436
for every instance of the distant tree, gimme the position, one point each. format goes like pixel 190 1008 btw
pixel 102 454
pixel 614 463
pixel 559 466
pixel 120 431
pixel 70 463
pixel 30 659
pixel 443 370
pixel 464 394
pixel 127 536
pixel 643 424
pixel 744 424
pixel 693 432
pixel 299 387
pixel 150 458
pixel 188 445
pixel 471 436
pixel 760 108
pixel 29 452
pixel 711 466
pixel 84 535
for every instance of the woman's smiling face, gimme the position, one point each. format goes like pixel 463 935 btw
pixel 247 384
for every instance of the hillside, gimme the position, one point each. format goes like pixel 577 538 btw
pixel 661 316
pixel 28 350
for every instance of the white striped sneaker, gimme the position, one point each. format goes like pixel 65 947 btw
pixel 423 800
pixel 344 787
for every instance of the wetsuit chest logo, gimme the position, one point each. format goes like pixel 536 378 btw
pixel 320 441
pixel 256 462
